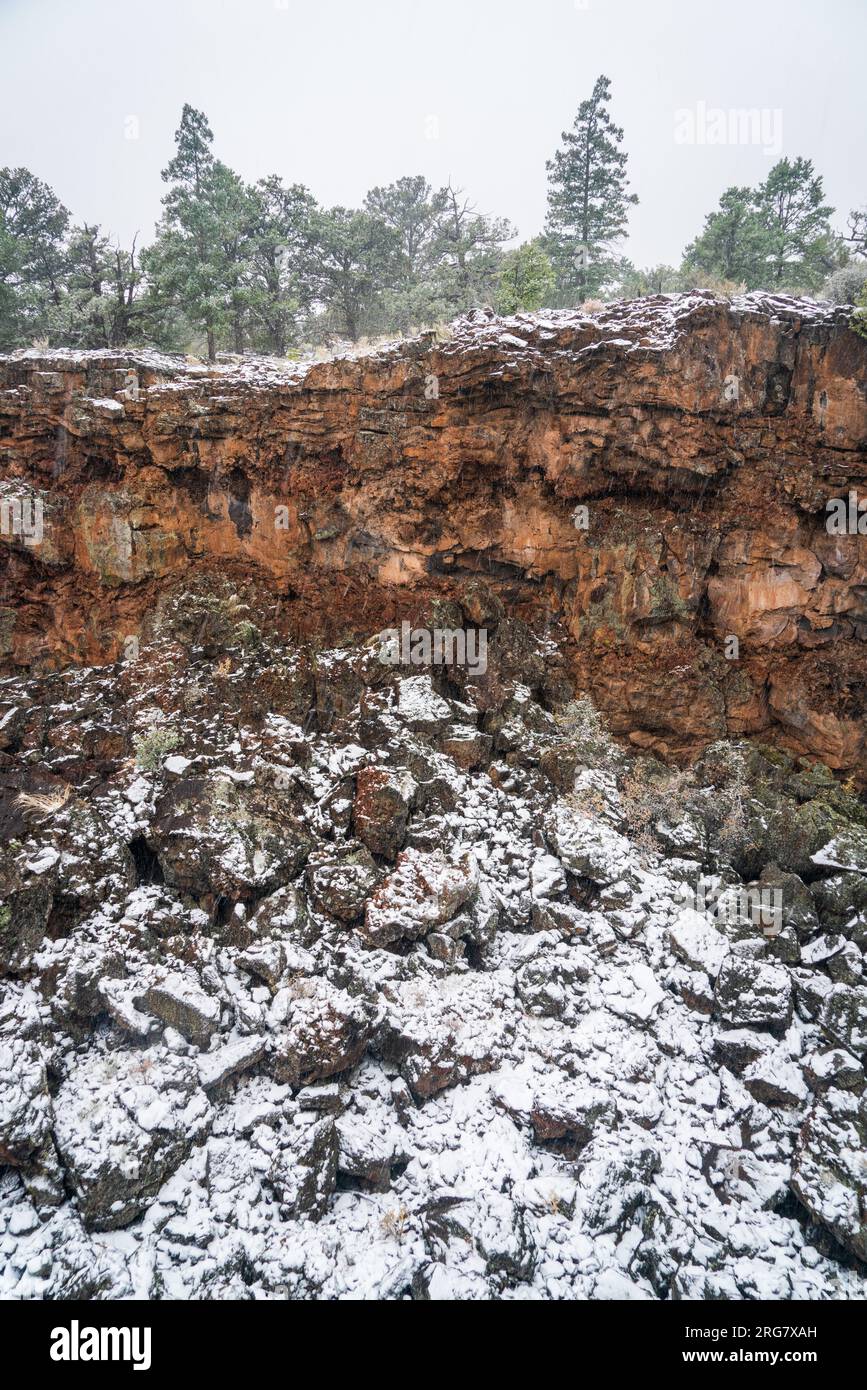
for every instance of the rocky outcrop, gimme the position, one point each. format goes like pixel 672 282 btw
pixel 524 1039
pixel 647 484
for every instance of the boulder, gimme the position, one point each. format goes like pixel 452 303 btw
pixel 123 1124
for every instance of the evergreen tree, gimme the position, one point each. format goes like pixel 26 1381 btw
pixel 526 279
pixel 587 199
pixel 33 226
pixel 777 236
pixel 198 261
pixel 734 244
pixel 856 235
pixel 634 283
pixel 279 248
pixel 859 318
pixel 353 258
pixel 791 206
pixel 413 211
pixel 101 306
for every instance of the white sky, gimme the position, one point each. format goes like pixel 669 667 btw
pixel 338 94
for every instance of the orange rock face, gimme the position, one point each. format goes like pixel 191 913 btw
pixel 650 484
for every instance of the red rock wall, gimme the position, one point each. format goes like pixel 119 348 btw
pixel 705 439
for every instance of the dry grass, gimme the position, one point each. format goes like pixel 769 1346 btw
pixel 44 804
pixel 394 1223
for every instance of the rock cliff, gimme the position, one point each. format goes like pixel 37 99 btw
pixel 647 485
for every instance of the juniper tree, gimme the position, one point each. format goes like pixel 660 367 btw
pixel 855 235
pixel 279 244
pixel 352 259
pixel 469 252
pixel 588 199
pixel 101 305
pixel 526 279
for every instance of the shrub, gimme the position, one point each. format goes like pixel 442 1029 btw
pixel 650 794
pixel 844 286
pixel 587 731
pixel 152 748
pixel 859 318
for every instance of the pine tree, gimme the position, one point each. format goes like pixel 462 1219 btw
pixel 777 236
pixel 414 212
pixel 791 206
pixel 198 262
pixel 587 199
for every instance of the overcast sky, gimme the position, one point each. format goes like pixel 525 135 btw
pixel 345 94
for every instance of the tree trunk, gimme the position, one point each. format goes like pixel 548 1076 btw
pixel 212 346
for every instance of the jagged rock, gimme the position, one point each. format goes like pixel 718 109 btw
pixel 77 986
pixel 840 899
pixel 266 962
pixel 424 892
pixel 26 1118
pixel 548 984
pixel 589 847
pixel 481 604
pixel 215 1068
pixel 442 1031
pixel 828 1172
pixel 340 881
pixel 284 915
pixel 217 836
pixel 370 1146
pixel 834 1070
pixel 123 1124
pixel 501 1234
pixel 27 887
pixel 774 1079
pixel 182 1004
pixel 753 993
pixel 467 747
pixel 323 1030
pixel 846 967
pixel 844 1017
pixel 698 943
pixel 420 708
pixel 304 1172
pixel 382 804
pixel 558 1112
